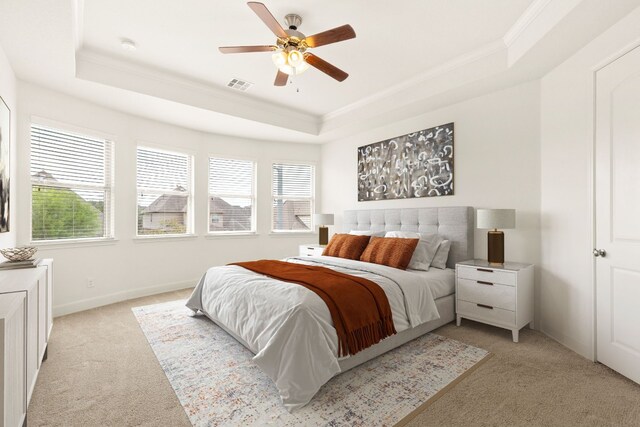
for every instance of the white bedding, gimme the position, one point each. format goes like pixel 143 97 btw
pixel 289 328
pixel 441 282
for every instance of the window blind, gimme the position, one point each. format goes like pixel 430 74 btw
pixel 71 185
pixel 231 195
pixel 163 183
pixel 292 197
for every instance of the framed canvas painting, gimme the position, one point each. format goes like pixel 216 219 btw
pixel 418 164
pixel 5 139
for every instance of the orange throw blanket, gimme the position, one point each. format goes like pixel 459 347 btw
pixel 359 307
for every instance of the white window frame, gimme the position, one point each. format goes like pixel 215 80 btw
pixel 189 219
pixel 254 198
pixel 108 188
pixel 313 197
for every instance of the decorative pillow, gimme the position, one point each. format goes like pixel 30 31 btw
pixel 440 260
pixel 367 233
pixel 425 251
pixel 390 251
pixel 346 246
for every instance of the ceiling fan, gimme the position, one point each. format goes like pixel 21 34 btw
pixel 290 51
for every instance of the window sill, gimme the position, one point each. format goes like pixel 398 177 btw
pixel 164 238
pixel 292 233
pixel 72 243
pixel 214 236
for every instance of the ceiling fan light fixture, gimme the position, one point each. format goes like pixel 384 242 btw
pixel 302 67
pixel 291 62
pixel 295 58
pixel 279 58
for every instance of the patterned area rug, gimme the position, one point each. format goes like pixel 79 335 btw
pixel 218 384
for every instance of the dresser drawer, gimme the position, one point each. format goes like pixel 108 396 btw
pixel 309 250
pixel 491 315
pixel 487 275
pixel 501 296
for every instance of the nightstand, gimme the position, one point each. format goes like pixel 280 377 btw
pixel 312 249
pixel 496 295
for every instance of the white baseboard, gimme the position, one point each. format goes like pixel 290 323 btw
pixel 86 304
pixel 580 348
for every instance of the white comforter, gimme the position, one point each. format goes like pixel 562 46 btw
pixel 289 328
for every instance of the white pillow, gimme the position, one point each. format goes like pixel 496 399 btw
pixel 440 260
pixel 425 251
pixel 367 233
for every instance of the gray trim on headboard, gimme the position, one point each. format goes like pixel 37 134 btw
pixel 453 223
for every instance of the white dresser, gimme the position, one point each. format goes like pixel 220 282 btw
pixel 35 286
pixel 496 295
pixel 312 249
pixel 13 336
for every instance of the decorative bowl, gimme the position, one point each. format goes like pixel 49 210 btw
pixel 19 254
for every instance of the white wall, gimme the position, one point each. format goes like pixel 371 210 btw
pixel 497 164
pixel 8 93
pixel 567 102
pixel 130 267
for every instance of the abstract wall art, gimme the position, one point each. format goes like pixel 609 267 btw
pixel 5 140
pixel 419 164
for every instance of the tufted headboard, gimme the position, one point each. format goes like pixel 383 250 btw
pixel 453 223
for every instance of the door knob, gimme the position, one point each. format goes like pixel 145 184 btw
pixel 599 252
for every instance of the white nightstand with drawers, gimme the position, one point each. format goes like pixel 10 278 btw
pixel 496 295
pixel 312 249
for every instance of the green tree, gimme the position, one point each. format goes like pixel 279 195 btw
pixel 60 213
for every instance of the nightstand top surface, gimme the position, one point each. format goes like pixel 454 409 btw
pixel 483 263
pixel 314 245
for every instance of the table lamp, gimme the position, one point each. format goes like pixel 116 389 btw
pixel 494 219
pixel 323 220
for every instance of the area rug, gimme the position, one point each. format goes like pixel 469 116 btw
pixel 218 384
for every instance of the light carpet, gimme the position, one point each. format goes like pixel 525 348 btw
pixel 218 384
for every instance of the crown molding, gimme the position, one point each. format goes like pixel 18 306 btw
pixel 525 20
pixel 78 30
pixel 102 68
pixel 459 62
pixel 535 24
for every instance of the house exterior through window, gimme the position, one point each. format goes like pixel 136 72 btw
pixel 164 192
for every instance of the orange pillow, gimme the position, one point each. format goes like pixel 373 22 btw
pixel 346 246
pixel 392 251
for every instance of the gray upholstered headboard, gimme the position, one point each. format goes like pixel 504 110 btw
pixel 453 223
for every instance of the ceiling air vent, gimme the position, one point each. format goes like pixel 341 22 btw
pixel 240 85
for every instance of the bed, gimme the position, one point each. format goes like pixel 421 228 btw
pixel 289 328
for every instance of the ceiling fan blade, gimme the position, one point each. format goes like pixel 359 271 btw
pixel 325 67
pixel 335 35
pixel 266 16
pixel 281 79
pixel 246 49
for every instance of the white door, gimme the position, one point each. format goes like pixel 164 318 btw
pixel 617 201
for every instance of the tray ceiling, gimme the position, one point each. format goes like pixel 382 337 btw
pixel 409 56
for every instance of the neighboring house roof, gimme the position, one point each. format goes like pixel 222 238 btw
pixel 168 203
pixel 44 176
pixel 296 213
pixel 234 217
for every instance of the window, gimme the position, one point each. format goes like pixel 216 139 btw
pixel 231 196
pixel 71 185
pixel 164 192
pixel 292 189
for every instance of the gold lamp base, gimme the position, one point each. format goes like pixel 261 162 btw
pixel 495 247
pixel 324 235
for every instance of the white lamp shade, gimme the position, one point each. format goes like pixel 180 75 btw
pixel 323 219
pixel 496 218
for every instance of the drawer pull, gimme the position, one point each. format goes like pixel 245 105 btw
pixel 485 306
pixel 486 270
pixel 484 283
